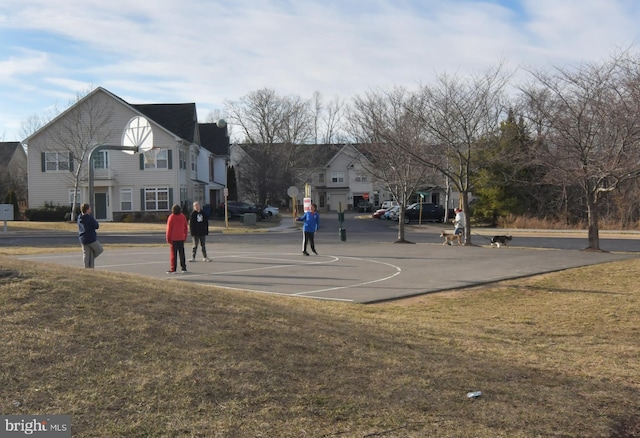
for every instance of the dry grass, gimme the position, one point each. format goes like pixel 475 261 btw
pixel 138 227
pixel 126 356
pixel 520 222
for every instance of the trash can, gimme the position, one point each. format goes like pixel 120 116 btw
pixel 249 218
pixel 343 234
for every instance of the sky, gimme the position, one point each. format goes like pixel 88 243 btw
pixel 211 52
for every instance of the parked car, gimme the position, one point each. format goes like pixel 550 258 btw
pixel 392 213
pixel 430 213
pixel 379 213
pixel 364 207
pixel 270 210
pixel 388 204
pixel 237 209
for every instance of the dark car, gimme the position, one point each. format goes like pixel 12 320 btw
pixel 238 209
pixel 364 207
pixel 430 213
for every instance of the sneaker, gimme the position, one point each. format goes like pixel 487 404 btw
pixel 206 259
pixel 315 252
pixel 184 271
pixel 305 253
pixel 171 272
pixel 193 259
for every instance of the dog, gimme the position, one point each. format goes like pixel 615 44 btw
pixel 500 240
pixel 449 238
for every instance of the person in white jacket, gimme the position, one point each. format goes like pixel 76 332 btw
pixel 459 223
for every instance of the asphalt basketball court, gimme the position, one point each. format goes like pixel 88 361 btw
pixel 357 272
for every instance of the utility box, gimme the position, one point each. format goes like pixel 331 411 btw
pixel 6 212
pixel 249 218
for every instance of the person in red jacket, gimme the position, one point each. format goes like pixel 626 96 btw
pixel 176 236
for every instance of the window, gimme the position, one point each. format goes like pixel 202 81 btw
pixel 361 178
pixel 211 166
pixel 156 159
pixel 337 177
pixel 126 199
pixel 194 163
pixel 78 197
pixel 57 161
pixel 156 198
pixel 183 194
pixel 101 160
pixel 321 177
pixel 183 160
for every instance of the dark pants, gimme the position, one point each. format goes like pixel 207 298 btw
pixel 199 240
pixel 177 248
pixel 307 238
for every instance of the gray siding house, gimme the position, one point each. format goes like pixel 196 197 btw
pixel 178 169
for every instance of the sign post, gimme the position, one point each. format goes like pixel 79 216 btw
pixel 226 209
pixel 293 193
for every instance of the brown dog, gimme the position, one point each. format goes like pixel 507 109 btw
pixel 449 238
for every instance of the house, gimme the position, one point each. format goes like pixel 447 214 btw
pixel 13 171
pixel 177 170
pixel 335 174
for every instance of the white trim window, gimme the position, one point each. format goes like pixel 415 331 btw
pixel 126 199
pixel 337 177
pixel 183 159
pixel 361 177
pixel 78 197
pixel 57 161
pixel 156 159
pixel 101 160
pixel 183 194
pixel 194 163
pixel 156 198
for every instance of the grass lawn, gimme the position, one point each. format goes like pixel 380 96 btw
pixel 128 356
pixel 235 225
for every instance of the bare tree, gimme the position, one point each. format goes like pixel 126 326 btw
pixel 272 128
pixel 80 129
pixel 327 119
pixel 589 121
pixel 390 137
pixel 461 118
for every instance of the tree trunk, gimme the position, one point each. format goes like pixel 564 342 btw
pixel 467 225
pixel 592 210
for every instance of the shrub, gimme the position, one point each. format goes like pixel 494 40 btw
pixel 48 213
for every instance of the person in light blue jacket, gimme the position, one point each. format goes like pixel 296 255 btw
pixel 311 221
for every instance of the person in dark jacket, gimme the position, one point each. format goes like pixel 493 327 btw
pixel 199 226
pixel 87 226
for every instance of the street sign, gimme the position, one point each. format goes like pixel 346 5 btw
pixel 293 191
pixel 365 196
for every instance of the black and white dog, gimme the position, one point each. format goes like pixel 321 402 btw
pixel 500 240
